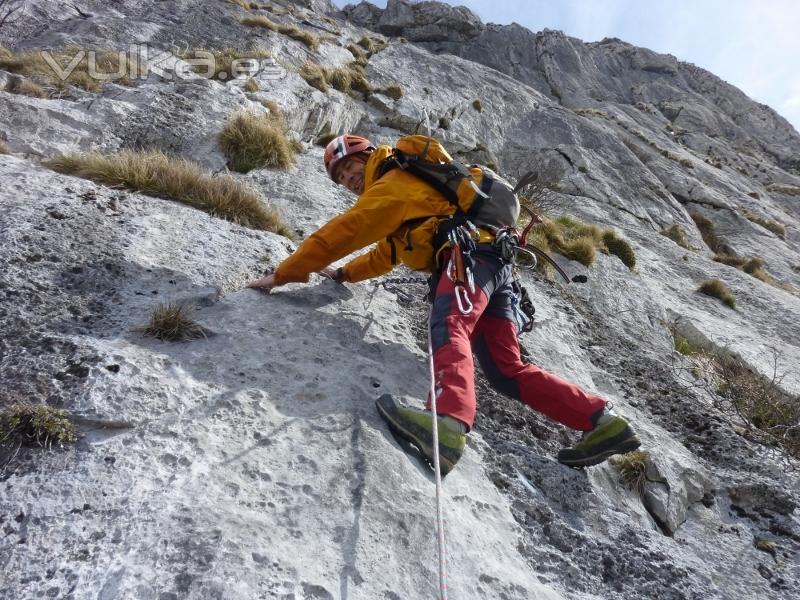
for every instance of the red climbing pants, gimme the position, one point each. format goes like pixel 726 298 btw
pixel 489 331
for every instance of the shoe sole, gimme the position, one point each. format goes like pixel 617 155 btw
pixel 628 445
pixel 407 437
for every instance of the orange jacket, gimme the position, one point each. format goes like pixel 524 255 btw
pixel 398 210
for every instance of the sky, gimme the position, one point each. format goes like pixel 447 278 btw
pixel 752 44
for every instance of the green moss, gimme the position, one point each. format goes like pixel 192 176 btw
pixel 35 424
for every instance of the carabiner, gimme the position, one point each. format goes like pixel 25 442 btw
pixel 464 303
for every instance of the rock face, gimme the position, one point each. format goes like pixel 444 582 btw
pixel 251 463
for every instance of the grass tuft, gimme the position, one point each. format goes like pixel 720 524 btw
pixel 774 226
pixel 4 149
pixel 27 424
pixel 315 75
pixel 252 141
pixel 632 469
pixel 294 32
pixel 581 249
pixel 677 234
pixel 358 54
pixel 477 105
pixel 783 188
pixel 394 91
pixel 326 138
pixel 259 21
pixel 155 174
pixel 33 65
pixel 25 87
pixel 170 322
pixel 620 248
pixel 251 85
pixel 717 289
pixel 709 234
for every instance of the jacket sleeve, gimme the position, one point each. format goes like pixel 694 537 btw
pixel 376 214
pixel 372 264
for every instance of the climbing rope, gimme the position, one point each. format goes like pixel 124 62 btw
pixel 438 474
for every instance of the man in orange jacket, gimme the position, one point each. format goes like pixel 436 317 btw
pixel 400 213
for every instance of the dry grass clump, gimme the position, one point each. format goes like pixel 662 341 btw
pixel 155 174
pixel 251 85
pixel 359 55
pixel 259 21
pixel 223 59
pixel 294 32
pixel 632 469
pixel 244 4
pixel 170 322
pixel 394 91
pixel 315 75
pixel 580 241
pixel 4 149
pixel 620 248
pixel 753 266
pixel 252 141
pixel 477 105
pixel 326 138
pixel 372 44
pixel 708 232
pixel 350 77
pixel 676 233
pixel 25 87
pixel 717 289
pixel 26 424
pixel 784 188
pixel 777 228
pixel 107 63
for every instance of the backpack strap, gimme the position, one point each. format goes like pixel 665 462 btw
pixel 486 185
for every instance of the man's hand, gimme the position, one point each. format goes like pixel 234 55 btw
pixel 265 283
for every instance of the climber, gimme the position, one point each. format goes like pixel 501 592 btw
pixel 403 215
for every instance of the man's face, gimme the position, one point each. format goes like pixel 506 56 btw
pixel 350 174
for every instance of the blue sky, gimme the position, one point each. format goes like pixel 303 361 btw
pixel 752 44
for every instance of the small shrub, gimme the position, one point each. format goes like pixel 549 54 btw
pixel 676 233
pixel 251 85
pixel 27 424
pixel 314 75
pixel 620 248
pixel 170 323
pixel 155 174
pixel 632 469
pixel 477 105
pixel 395 92
pixel 259 21
pixel 684 346
pixel 24 87
pixel 4 149
pixel 251 141
pixel 717 289
pixel 294 32
pixel 771 415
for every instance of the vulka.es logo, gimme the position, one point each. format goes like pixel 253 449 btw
pixel 138 62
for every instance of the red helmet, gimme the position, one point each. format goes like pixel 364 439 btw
pixel 342 147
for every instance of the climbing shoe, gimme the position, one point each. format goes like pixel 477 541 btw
pixel 611 435
pixel 415 426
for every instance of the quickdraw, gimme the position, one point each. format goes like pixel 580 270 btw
pixel 461 266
